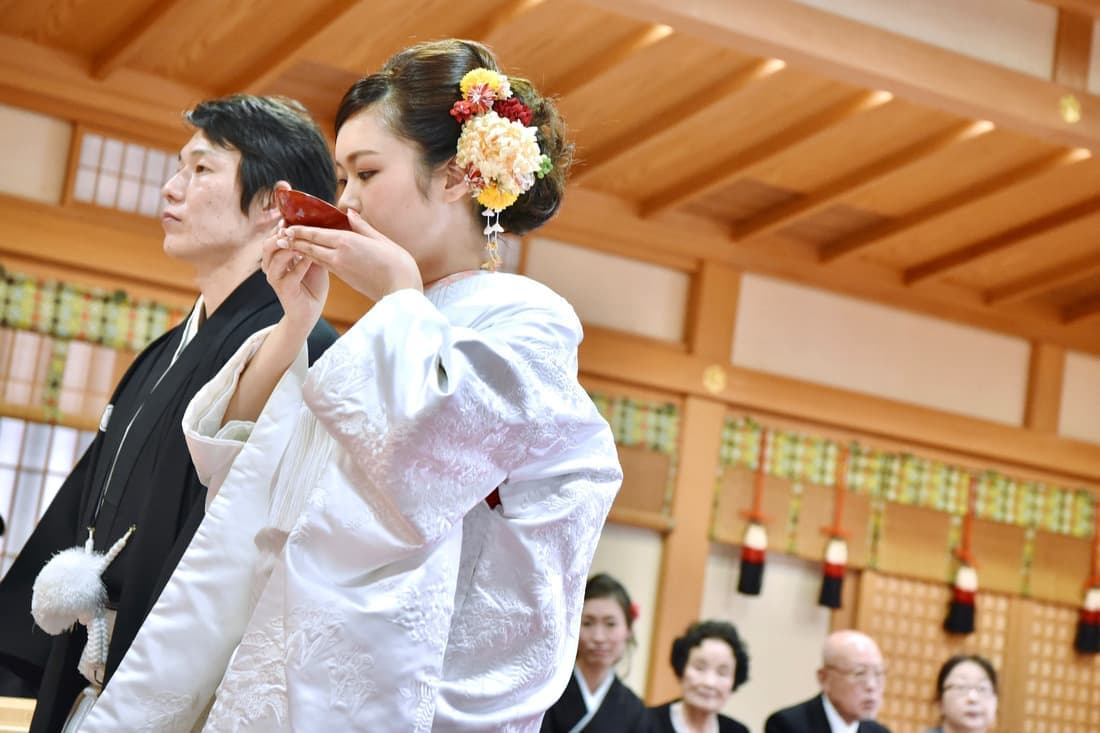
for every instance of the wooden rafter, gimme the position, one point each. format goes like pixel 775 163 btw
pixel 951 202
pixel 609 58
pixel 675 115
pixel 939 266
pixel 123 46
pixel 290 49
pixel 726 171
pixel 1046 280
pixel 781 216
pixel 856 53
pixel 1082 309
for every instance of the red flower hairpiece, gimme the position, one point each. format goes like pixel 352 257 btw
pixel 635 611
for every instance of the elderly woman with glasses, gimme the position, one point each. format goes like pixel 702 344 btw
pixel 966 695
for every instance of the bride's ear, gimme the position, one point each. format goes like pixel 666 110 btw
pixel 456 186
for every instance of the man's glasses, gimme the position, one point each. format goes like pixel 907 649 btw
pixel 861 675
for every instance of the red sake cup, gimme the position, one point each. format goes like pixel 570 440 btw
pixel 299 207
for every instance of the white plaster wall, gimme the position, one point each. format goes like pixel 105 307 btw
pixel 611 291
pixel 817 336
pixel 633 557
pixel 784 630
pixel 1079 416
pixel 35 153
pixel 1017 34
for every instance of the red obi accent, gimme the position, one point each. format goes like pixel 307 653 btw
pixel 833 570
pixel 751 554
pixel 963 596
pixel 493 499
pixel 1090 617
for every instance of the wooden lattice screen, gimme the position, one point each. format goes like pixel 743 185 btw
pixel 1044 686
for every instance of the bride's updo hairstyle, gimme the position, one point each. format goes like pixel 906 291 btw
pixel 416 91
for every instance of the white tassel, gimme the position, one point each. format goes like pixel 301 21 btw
pixel 69 589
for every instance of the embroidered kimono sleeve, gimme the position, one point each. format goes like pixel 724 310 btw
pixel 433 416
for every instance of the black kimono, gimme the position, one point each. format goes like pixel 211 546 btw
pixel 136 474
pixel 620 712
pixel 662 721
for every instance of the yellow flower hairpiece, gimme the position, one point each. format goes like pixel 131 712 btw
pixel 497 148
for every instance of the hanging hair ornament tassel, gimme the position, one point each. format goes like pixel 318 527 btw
pixel 836 548
pixel 961 610
pixel 1087 639
pixel 497 149
pixel 754 546
pixel 69 590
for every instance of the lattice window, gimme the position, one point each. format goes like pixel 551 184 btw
pixel 906 617
pixel 119 174
pixel 1060 690
pixel 56 380
pixel 35 458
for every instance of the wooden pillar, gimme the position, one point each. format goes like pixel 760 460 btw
pixel 1044 387
pixel 711 318
pixel 1072 49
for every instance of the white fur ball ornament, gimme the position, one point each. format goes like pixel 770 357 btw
pixel 69 588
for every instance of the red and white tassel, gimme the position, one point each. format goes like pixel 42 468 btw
pixel 961 612
pixel 1087 640
pixel 753 550
pixel 832 580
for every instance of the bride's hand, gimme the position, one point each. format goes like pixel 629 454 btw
pixel 300 283
pixel 366 260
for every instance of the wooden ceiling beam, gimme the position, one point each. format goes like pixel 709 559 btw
pixel 592 68
pixel 1082 309
pixel 291 49
pixel 670 117
pixel 869 57
pixel 727 171
pixel 122 47
pixel 1045 281
pixel 953 260
pixel 952 202
pixel 781 216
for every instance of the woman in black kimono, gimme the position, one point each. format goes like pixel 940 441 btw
pixel 596 700
pixel 711 661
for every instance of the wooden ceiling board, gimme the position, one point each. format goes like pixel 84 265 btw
pixel 80 26
pixel 626 97
pixel 718 132
pixel 989 216
pixel 1073 293
pixel 948 171
pixel 738 201
pixel 846 146
pixel 1033 254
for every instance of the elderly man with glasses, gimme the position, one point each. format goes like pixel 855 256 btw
pixel 852 679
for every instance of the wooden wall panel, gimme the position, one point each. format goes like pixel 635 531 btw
pixel 999 554
pixel 816 511
pixel 1059 567
pixel 915 542
pixel 735 492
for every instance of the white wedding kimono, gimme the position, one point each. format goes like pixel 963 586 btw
pixel 349 570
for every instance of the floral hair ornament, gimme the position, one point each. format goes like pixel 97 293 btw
pixel 497 149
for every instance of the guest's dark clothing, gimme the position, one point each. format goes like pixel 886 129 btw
pixel 809 717
pixel 662 721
